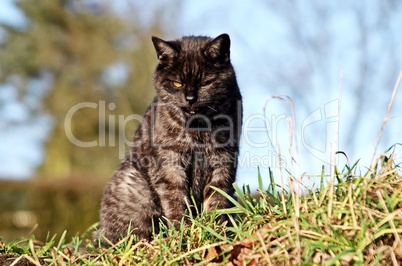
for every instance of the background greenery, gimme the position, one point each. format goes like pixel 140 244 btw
pixel 66 53
pixel 44 207
pixel 69 53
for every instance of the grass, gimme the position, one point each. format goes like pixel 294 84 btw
pixel 363 228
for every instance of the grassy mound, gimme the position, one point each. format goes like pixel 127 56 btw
pixel 352 218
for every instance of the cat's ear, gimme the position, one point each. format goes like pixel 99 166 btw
pixel 219 49
pixel 164 50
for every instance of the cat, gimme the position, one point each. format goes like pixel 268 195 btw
pixel 187 142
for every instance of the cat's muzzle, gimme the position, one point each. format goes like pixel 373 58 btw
pixel 190 111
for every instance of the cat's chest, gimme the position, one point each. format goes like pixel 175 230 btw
pixel 198 136
pixel 195 141
pixel 175 132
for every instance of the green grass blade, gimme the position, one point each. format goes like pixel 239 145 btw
pixel 231 199
pixel 62 240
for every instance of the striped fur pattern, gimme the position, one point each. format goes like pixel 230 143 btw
pixel 187 142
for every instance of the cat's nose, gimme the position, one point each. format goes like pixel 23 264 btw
pixel 190 97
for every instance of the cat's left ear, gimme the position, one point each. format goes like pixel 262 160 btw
pixel 219 49
pixel 164 50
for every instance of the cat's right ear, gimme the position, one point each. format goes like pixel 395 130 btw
pixel 164 50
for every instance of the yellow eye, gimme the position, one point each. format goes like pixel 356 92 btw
pixel 177 84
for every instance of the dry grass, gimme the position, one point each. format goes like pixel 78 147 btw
pixel 365 227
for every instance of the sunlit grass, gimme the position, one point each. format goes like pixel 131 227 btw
pixel 364 227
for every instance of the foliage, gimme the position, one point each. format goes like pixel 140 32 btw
pixel 363 226
pixel 71 52
pixel 38 206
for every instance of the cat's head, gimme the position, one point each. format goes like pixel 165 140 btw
pixel 195 73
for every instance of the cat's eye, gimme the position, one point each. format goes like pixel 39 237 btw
pixel 206 83
pixel 177 84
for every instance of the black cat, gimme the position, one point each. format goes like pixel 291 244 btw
pixel 187 142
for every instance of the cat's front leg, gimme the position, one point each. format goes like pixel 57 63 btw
pixel 169 182
pixel 222 177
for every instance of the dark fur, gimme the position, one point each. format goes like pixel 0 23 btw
pixel 188 141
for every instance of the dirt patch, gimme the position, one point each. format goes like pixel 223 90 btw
pixel 8 259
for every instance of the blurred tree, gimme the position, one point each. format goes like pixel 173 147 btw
pixel 75 52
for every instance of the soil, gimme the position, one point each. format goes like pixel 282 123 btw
pixel 6 259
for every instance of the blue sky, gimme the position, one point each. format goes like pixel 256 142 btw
pixel 296 50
